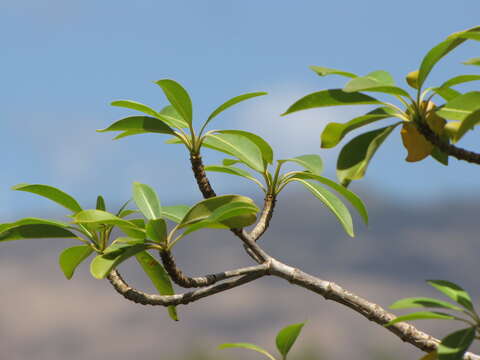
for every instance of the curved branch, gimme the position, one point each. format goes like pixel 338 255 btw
pixel 265 217
pixel 452 150
pixel 201 176
pixel 143 298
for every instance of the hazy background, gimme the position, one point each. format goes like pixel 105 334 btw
pixel 63 62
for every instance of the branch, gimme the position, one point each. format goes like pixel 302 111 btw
pixel 264 220
pixel 452 150
pixel 143 298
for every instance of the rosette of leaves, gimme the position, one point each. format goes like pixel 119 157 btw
pixel 454 345
pixel 284 341
pixel 450 120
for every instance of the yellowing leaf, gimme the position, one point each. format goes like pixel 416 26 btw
pixel 417 146
pixel 435 122
pixel 451 129
pixel 430 356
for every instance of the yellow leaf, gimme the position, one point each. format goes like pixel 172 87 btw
pixel 435 122
pixel 417 146
pixel 451 129
pixel 430 356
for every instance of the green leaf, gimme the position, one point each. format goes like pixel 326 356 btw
pixel 36 231
pixel 175 213
pixel 130 133
pixel 350 196
pixel 460 80
pixel 377 81
pixel 172 117
pixel 178 97
pixel 231 102
pixel 454 345
pixel 438 154
pixel 233 170
pixel 204 209
pixel 157 230
pixel 114 255
pixel 467 124
pixel 447 94
pixel 247 346
pixel 473 35
pixel 310 162
pixel 133 105
pixel 332 97
pixel 472 61
pixel 265 148
pixel 31 221
pixel 333 203
pixel 228 162
pixel 324 71
pixel 287 337
pixel 159 278
pixel 147 201
pixel 71 257
pixel 438 52
pixel 335 132
pixel 421 315
pixel 101 203
pixel 416 302
pixel 453 291
pixel 134 125
pixel 461 106
pixel 239 146
pixel 127 212
pixel 355 156
pixel 51 193
pixel 103 217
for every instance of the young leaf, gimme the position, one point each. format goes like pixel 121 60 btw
pixel 178 97
pixel 247 346
pixel 416 302
pixel 103 217
pixel 461 106
pixel 454 292
pixel 233 170
pixel 51 193
pixel 355 156
pixel 378 81
pixel 310 162
pixel 172 117
pixel 421 315
pixel 287 337
pixel 139 125
pixel 157 230
pixel 333 203
pixel 113 256
pixel 147 201
pixel 323 71
pixel 454 345
pixel 101 203
pixel 71 257
pixel 331 97
pixel 265 148
pixel 335 132
pixel 159 278
pixel 36 231
pixel 133 105
pixel 175 213
pixel 231 102
pixel 239 146
pixel 472 61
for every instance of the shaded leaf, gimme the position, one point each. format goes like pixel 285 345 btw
pixel 467 124
pixel 147 201
pixel 310 162
pixel 421 315
pixel 134 125
pixel 416 302
pixel 453 291
pixel 159 278
pixel 287 337
pixel 31 221
pixel 134 105
pixel 247 346
pixel 71 257
pixel 232 170
pixel 461 106
pixel 178 97
pixel 323 71
pixel 36 231
pixel 51 193
pixel 460 80
pixel 454 345
pixel 101 203
pixel 175 213
pixel 172 117
pixel 157 230
pixel 472 61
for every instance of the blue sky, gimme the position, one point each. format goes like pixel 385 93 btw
pixel 64 62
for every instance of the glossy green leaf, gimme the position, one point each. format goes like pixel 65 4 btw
pixel 103 217
pixel 228 162
pixel 438 52
pixel 134 125
pixel 71 257
pixel 467 124
pixel 461 79
pixel 32 221
pixel 36 231
pixel 175 213
pixel 172 117
pixel 310 162
pixel 239 146
pixel 350 196
pixel 287 337
pixel 159 278
pixel 416 302
pixel 232 170
pixel 324 71
pixel 178 97
pixel 461 106
pixel 333 203
pixel 133 105
pixel 231 102
pixel 332 97
pixel 147 201
pixel 355 156
pixel 421 315
pixel 265 148
pixel 205 208
pixel 335 132
pixel 377 81
pixel 453 291
pixel 454 345
pixel 472 35
pixel 447 94
pixel 472 61
pixel 51 193
pixel 247 346
pixel 157 230
pixel 114 255
pixel 100 203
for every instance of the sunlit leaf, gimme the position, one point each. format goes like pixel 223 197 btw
pixel 460 80
pixel 103 217
pixel 454 345
pixel 324 71
pixel 247 346
pixel 134 105
pixel 453 291
pixel 147 201
pixel 175 213
pixel 71 257
pixel 265 148
pixel 310 162
pixel 51 193
pixel 172 117
pixel 36 231
pixel 232 170
pixel 32 221
pixel 138 125
pixel 472 61
pixel 378 81
pixel 467 124
pixel 461 106
pixel 100 203
pixel 178 97
pixel 447 94
pixel 287 337
pixel 416 302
